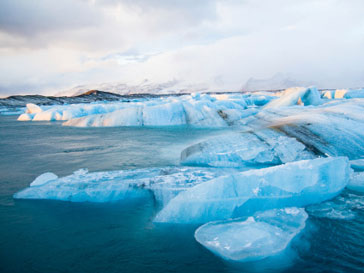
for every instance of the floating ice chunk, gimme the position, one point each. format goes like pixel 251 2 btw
pixel 328 94
pixel 357 165
pixel 356 182
pixel 340 93
pixel 25 117
pixel 47 115
pixel 124 117
pixel 266 147
pixel 164 114
pixel 200 110
pixel 43 178
pixel 164 183
pixel 265 234
pixel 293 184
pixel 292 96
pixel 66 112
pixel 350 94
pixel 202 114
pixel 33 108
pixel 335 129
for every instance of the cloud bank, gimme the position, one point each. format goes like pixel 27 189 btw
pixel 47 46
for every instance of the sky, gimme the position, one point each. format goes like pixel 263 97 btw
pixel 49 45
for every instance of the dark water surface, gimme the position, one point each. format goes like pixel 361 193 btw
pixel 55 236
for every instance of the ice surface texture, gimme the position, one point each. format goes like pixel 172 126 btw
pixel 164 183
pixel 296 95
pixel 197 110
pixel 279 135
pixel 261 147
pixel 293 184
pixel 356 182
pixel 265 234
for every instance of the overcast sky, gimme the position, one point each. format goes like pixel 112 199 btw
pixel 49 45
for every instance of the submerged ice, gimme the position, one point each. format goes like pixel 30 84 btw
pixel 264 234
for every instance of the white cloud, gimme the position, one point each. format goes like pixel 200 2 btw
pixel 47 45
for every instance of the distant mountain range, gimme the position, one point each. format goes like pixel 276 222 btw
pixel 87 97
pixel 144 87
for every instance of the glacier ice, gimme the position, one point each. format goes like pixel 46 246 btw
pixel 32 108
pixel 43 178
pixel 265 234
pixel 356 182
pixel 164 183
pixel 122 117
pixel 357 165
pixel 296 95
pixel 335 129
pixel 66 112
pixel 350 94
pixel 235 149
pixel 201 110
pixel 279 135
pixel 292 184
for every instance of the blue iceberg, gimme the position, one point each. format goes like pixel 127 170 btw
pixel 293 184
pixel 263 235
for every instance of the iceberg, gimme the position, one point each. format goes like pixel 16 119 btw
pixel 32 108
pixel 358 93
pixel 280 135
pixel 251 148
pixel 296 95
pixel 356 182
pixel 357 165
pixel 334 129
pixel 123 117
pixel 67 112
pixel 161 183
pixel 293 184
pixel 265 234
pixel 43 178
pixel 200 110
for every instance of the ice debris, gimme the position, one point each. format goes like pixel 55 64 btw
pixel 343 207
pixel 265 234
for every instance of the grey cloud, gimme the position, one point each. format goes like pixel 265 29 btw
pixel 28 18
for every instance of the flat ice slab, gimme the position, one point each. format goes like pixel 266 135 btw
pixel 293 184
pixel 265 234
pixel 164 183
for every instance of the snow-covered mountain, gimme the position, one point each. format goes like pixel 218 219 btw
pixel 144 87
